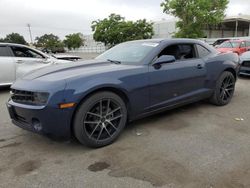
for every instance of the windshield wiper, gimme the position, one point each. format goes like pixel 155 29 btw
pixel 114 61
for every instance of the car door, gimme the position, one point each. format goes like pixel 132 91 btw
pixel 27 60
pixel 27 55
pixel 7 66
pixel 177 81
pixel 243 47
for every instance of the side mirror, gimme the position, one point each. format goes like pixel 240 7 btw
pixel 162 60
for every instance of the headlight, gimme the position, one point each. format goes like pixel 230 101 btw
pixel 40 98
pixel 28 97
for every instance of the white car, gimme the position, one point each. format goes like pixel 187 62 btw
pixel 17 60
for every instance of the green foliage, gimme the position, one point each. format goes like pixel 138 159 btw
pixel 194 15
pixel 73 41
pixel 14 38
pixel 114 30
pixel 50 42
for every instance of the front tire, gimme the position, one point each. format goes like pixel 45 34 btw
pixel 224 89
pixel 100 119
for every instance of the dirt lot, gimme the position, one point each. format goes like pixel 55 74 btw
pixel 195 146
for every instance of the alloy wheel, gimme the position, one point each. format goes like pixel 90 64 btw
pixel 102 120
pixel 227 88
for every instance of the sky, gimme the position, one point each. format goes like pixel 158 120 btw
pixel 62 17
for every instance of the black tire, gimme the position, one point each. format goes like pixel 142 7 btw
pixel 224 89
pixel 97 128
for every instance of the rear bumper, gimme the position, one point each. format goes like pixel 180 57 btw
pixel 244 71
pixel 42 120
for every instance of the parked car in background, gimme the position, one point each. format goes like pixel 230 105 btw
pixel 93 100
pixel 16 60
pixel 54 50
pixel 245 64
pixel 68 57
pixel 219 42
pixel 236 46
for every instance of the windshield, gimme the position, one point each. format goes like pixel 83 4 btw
pixel 130 52
pixel 229 44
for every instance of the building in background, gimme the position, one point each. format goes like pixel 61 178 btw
pixel 231 26
pixel 90 45
pixel 164 28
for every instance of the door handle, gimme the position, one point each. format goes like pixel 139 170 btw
pixel 19 61
pixel 199 66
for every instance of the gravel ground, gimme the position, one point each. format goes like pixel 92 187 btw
pixel 195 146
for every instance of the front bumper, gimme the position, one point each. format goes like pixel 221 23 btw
pixel 244 71
pixel 41 119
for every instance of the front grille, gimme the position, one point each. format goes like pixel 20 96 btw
pixel 246 63
pixel 23 97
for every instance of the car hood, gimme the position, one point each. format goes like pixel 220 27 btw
pixel 245 56
pixel 29 67
pixel 80 68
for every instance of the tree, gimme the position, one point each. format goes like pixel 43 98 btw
pixel 50 42
pixel 15 38
pixel 114 30
pixel 73 41
pixel 194 15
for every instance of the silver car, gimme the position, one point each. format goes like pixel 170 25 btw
pixel 245 64
pixel 17 60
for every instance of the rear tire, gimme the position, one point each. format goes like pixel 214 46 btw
pixel 224 89
pixel 100 119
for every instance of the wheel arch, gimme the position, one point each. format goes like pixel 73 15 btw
pixel 115 90
pixel 232 71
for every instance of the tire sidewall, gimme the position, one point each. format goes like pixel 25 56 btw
pixel 219 101
pixel 79 129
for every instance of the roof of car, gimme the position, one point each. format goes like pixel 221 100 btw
pixel 237 40
pixel 168 40
pixel 11 44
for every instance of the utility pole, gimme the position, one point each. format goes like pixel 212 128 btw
pixel 28 25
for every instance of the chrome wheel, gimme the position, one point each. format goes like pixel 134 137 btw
pixel 102 120
pixel 227 88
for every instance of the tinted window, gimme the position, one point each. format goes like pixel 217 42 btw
pixel 25 52
pixel 202 52
pixel 4 51
pixel 180 51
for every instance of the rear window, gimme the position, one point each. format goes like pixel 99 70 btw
pixel 230 44
pixel 4 51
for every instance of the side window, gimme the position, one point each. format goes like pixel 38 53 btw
pixel 242 44
pixel 25 52
pixel 180 51
pixel 248 43
pixel 4 51
pixel 202 51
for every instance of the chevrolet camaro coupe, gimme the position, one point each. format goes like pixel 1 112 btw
pixel 93 100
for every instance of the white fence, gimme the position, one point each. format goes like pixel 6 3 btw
pixel 89 49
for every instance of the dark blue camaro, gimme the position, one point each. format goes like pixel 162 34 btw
pixel 92 100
